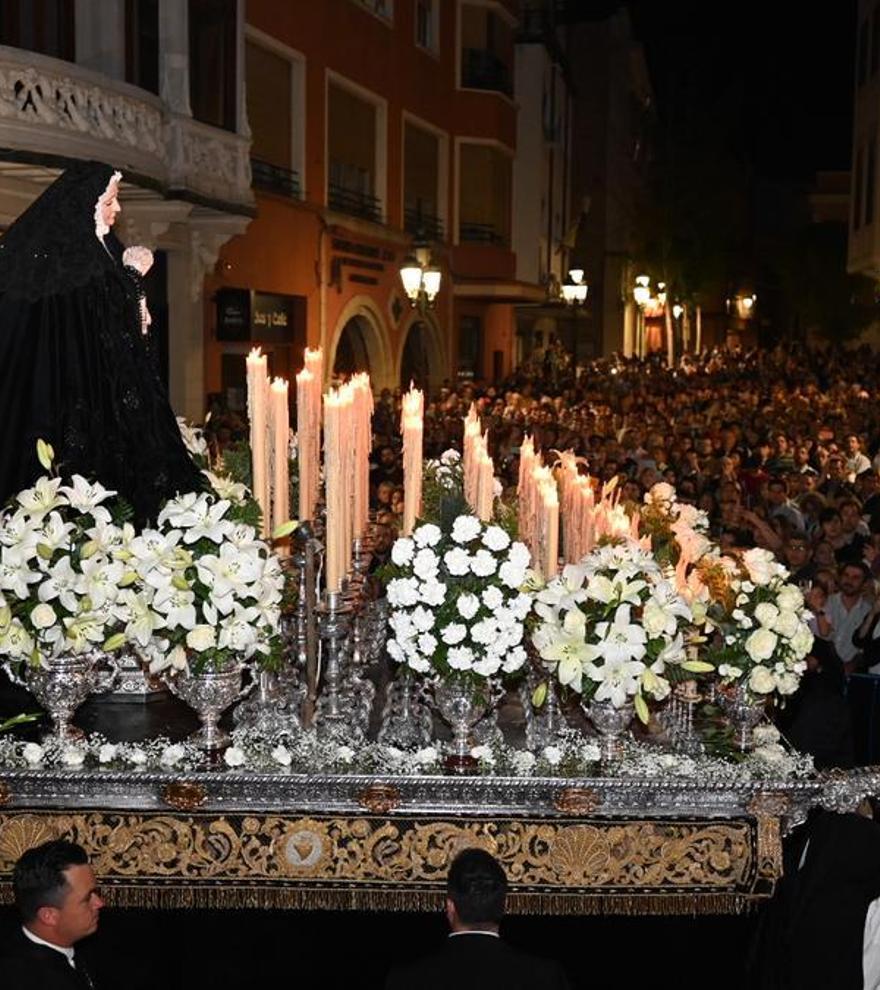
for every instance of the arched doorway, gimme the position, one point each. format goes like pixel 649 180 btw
pixel 352 350
pixel 415 364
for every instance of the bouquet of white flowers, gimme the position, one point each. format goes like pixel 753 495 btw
pixel 764 636
pixel 612 626
pixel 64 583
pixel 211 588
pixel 677 529
pixel 455 598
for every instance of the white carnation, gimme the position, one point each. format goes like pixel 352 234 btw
pixel 496 539
pixel 511 574
pixel 425 564
pixel 32 753
pixel 483 564
pixel 457 560
pixel 281 755
pixel 492 598
pixel 107 753
pixel 172 755
pixel 468 605
pixel 460 658
pixel 402 551
pixel 454 633
pixel 427 535
pixel 466 528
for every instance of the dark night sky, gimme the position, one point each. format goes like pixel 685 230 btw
pixel 778 77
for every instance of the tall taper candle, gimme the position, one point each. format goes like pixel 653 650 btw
pixel 257 388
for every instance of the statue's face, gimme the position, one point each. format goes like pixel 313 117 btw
pixel 108 204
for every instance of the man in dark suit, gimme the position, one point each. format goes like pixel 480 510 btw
pixel 58 901
pixel 475 957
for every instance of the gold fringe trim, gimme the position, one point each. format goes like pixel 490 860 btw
pixel 157 897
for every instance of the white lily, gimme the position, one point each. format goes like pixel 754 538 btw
pixel 43 497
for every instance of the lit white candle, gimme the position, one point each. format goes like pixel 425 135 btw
pixel 280 427
pixel 257 389
pixel 412 428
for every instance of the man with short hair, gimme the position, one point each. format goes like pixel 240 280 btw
pixel 58 902
pixel 846 609
pixel 780 505
pixel 475 957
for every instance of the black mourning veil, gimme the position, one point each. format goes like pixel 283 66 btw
pixel 74 366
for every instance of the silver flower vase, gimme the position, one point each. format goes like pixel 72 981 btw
pixel 461 705
pixel 744 711
pixel 611 723
pixel 209 694
pixel 62 684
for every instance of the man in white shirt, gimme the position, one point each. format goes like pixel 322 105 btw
pixel 59 904
pixel 846 609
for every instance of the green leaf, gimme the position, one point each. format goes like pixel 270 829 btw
pixel 641 709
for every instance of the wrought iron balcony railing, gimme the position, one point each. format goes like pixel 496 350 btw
pixel 421 224
pixel 354 202
pixel 481 69
pixel 275 178
pixel 480 233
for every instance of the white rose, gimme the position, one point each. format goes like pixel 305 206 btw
pixel 281 755
pixel 233 757
pixel 172 755
pixel 761 644
pixel 802 641
pixel 73 757
pixel 468 605
pixel 201 638
pixel 427 535
pixel 787 624
pixel 454 633
pixel 345 754
pixel 483 564
pixel 766 614
pixel 787 683
pixel 43 616
pixel 466 528
pixel 426 757
pixel 761 565
pixel 107 753
pixel 761 681
pixel 457 561
pixel 790 598
pixel 496 539
pixel 402 551
pixel 590 753
pixel 138 757
pixel 728 671
pixel 32 753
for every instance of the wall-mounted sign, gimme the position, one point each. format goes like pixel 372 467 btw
pixel 261 317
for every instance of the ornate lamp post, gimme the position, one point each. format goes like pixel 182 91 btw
pixel 421 280
pixel 641 295
pixel 574 293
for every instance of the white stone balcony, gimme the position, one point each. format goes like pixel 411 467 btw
pixel 53 108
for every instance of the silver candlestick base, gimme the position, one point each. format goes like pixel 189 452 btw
pixel 406 721
pixel 332 717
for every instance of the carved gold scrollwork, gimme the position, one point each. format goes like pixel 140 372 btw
pixel 769 809
pixel 184 795
pixel 577 801
pixel 379 799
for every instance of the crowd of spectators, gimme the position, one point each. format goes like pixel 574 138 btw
pixel 780 447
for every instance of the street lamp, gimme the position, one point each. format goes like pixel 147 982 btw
pixel 641 294
pixel 421 280
pixel 574 293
